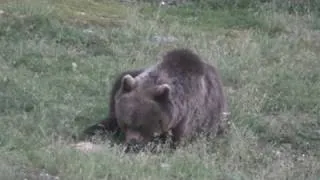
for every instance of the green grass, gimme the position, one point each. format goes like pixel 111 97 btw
pixel 269 62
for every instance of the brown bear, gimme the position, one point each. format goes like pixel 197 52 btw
pixel 181 94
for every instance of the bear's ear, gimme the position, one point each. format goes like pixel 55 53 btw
pixel 162 92
pixel 127 83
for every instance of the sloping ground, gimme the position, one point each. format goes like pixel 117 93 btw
pixel 72 11
pixel 105 13
pixel 58 58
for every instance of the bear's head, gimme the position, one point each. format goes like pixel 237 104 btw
pixel 142 112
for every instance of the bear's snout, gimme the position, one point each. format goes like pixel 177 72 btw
pixel 134 141
pixel 134 137
pixel 133 145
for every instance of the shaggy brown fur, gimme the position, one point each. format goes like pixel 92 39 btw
pixel 109 124
pixel 181 94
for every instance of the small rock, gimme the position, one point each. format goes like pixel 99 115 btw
pixel 82 13
pixel 6 79
pixel 163 39
pixel 87 147
pixel 74 66
pixel 165 165
pixel 87 31
pixel 46 176
pixel 173 2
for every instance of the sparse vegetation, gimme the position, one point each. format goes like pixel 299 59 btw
pixel 58 58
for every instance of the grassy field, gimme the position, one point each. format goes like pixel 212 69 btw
pixel 58 58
